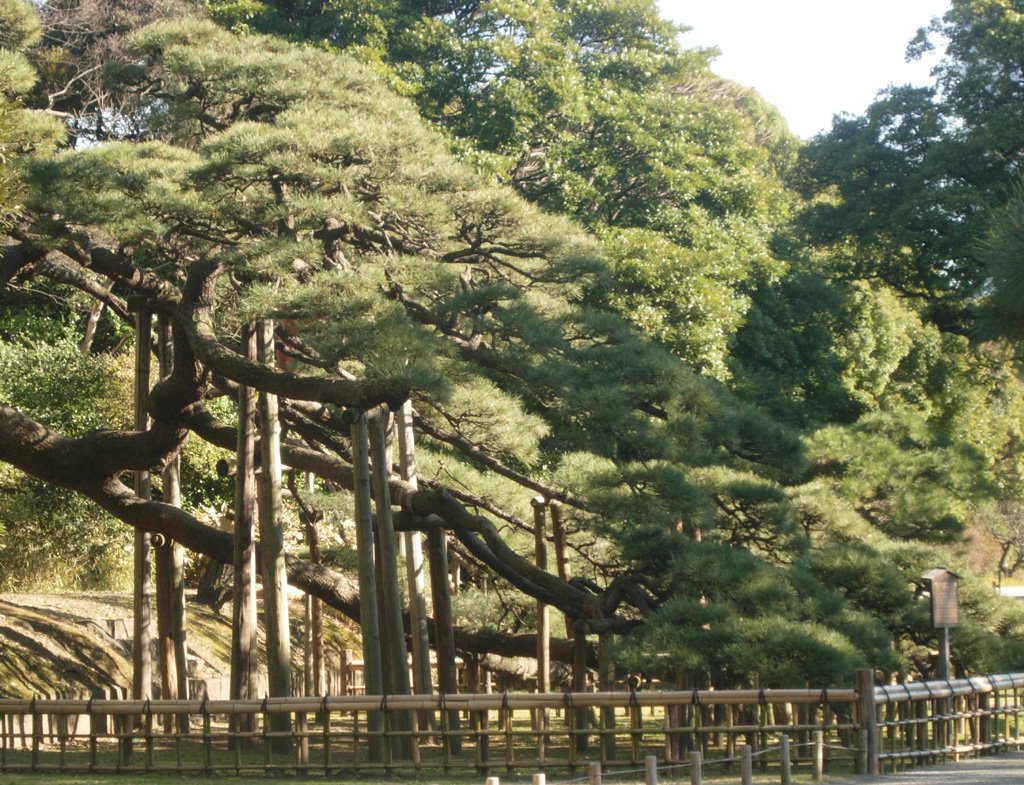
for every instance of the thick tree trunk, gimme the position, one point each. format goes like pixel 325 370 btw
pixel 275 578
pixel 243 612
pixel 369 617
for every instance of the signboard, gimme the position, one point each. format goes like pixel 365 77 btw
pixel 945 592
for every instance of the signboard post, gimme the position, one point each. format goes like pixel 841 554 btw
pixel 945 593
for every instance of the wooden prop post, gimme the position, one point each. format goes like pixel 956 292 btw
pixel 605 683
pixel 561 550
pixel 540 551
pixel 396 654
pixel 243 610
pixel 170 571
pixel 369 619
pixel 420 634
pixel 275 577
pixel 142 662
pixel 312 622
pixel 444 642
pixel 579 680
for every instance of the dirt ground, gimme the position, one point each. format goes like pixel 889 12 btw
pixel 77 644
pixel 65 644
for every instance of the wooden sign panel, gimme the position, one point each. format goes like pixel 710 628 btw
pixel 945 598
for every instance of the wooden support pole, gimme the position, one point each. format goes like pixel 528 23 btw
pixel 142 663
pixel 579 681
pixel 561 550
pixel 543 617
pixel 396 654
pixel 275 576
pixel 243 611
pixel 540 552
pixel 414 568
pixel 444 643
pixel 605 683
pixel 313 630
pixel 170 571
pixel 369 616
pixel 308 688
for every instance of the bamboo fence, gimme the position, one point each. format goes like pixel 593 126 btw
pixel 930 721
pixel 894 725
pixel 331 734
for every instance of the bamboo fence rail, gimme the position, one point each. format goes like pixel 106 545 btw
pixel 893 725
pixel 929 721
pixel 331 734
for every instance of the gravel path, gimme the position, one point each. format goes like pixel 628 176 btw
pixel 1007 769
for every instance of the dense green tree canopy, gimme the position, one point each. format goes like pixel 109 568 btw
pixel 567 241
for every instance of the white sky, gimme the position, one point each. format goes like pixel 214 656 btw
pixel 810 58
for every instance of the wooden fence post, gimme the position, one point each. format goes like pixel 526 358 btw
pixel 785 760
pixel 867 718
pixel 819 757
pixel 651 770
pixel 696 768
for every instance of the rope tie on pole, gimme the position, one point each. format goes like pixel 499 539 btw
pixel 695 697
